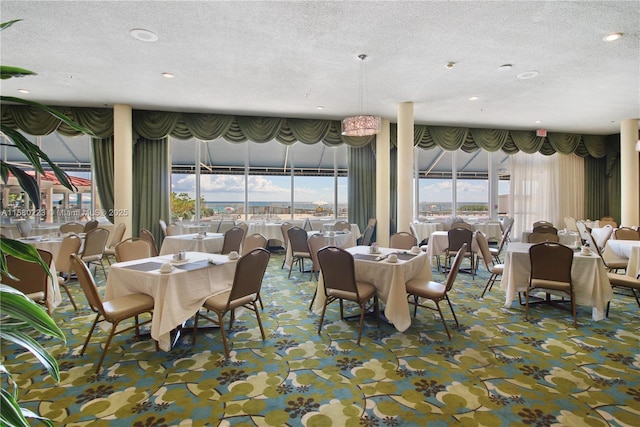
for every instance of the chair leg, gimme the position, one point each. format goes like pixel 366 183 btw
pixel 444 322
pixel 324 309
pixel 451 307
pixel 73 303
pixel 489 284
pixel 255 309
pixel 223 334
pixel 526 302
pixel 293 261
pixel 195 328
pixel 106 346
pixel 93 327
pixel 315 293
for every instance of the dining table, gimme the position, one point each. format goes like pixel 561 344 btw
pixel 330 226
pixel 340 239
pixel 211 243
pixel 439 242
pixel 177 294
pixel 588 275
pixel 492 230
pixel 389 279
pixel 425 229
pixel 270 230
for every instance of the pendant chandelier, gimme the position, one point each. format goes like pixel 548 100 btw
pixel 361 125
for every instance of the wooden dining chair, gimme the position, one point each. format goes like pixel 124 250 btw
pixel 551 273
pixel 338 273
pixel 244 292
pixel 113 311
pixel 427 290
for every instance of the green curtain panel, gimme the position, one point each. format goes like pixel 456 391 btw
pixel 362 185
pixel 151 185
pixel 102 150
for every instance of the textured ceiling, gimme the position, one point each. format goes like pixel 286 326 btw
pixel 287 58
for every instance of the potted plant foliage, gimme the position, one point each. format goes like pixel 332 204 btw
pixel 20 317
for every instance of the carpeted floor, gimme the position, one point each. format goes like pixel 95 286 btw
pixel 498 369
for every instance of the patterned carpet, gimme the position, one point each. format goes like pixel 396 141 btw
pixel 497 370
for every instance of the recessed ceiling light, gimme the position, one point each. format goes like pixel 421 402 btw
pixel 611 37
pixel 144 35
pixel 24 91
pixel 474 98
pixel 528 75
pixel 505 67
pixel 538 122
pixel 320 107
pixel 168 75
pixel 450 65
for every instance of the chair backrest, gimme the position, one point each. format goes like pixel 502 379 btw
pixel 232 240
pixel 402 240
pixel 412 227
pixel 225 225
pixel 462 224
pixel 455 266
pixel 72 227
pixel 608 220
pixel 133 248
pixel 458 237
pixel 253 241
pixel 249 273
pixel 372 222
pixel 338 269
pixel 582 229
pixel 243 225
pixel 90 225
pixel 505 236
pixel 541 236
pixel 544 228
pixel 539 223
pixel 148 236
pixel 118 234
pixel 70 245
pixel 32 278
pixel 88 284
pixel 173 230
pixel 342 226
pixel 163 226
pixel 367 236
pixel 298 240
pixel 483 244
pixel 24 228
pixel 95 242
pixel 570 223
pixel 626 233
pixel 551 261
pixel 284 228
pixel 316 242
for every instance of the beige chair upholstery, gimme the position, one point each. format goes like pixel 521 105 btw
pixel 607 220
pixel 539 237
pixel 342 226
pixel 256 240
pixel 626 233
pixel 402 240
pixel 626 282
pixel 113 311
pixel 163 226
pixel 118 234
pixel 541 223
pixel 30 278
pixel 244 292
pixel 148 236
pixel 544 228
pixel 457 238
pixel 72 227
pixel 133 248
pixel 462 224
pixel 495 252
pixel 338 272
pixel 315 242
pixel 94 246
pixel 611 266
pixel 551 273
pixel 435 291
pixel 367 236
pixel 70 245
pixel 570 223
pixel 243 225
pixel 233 240
pixel 488 259
pixel 24 228
pixel 284 229
pixel 299 248
pixel 225 225
pixel 90 225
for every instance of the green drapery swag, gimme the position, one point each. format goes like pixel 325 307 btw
pixel 157 125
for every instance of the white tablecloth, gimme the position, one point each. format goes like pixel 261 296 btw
pixel 633 267
pixel 568 238
pixel 330 226
pixel 425 229
pixel 270 230
pixel 211 243
pixel 590 282
pixel 341 240
pixel 491 230
pixel 623 251
pixel 177 295
pixel 439 241
pixel 389 280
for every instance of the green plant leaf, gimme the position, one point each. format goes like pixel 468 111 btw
pixel 16 305
pixel 50 110
pixel 23 251
pixel 11 414
pixel 5 25
pixel 26 182
pixel 8 72
pixel 28 343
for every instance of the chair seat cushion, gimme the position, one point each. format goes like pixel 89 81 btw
pixel 623 280
pixel 497 269
pixel 302 254
pixel 92 258
pixel 127 306
pixel 36 296
pixel 617 265
pixel 365 291
pixel 550 284
pixel 219 301
pixel 494 251
pixel 426 289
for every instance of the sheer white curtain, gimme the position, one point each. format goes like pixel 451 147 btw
pixel 545 188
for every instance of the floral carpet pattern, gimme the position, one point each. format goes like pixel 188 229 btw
pixel 497 369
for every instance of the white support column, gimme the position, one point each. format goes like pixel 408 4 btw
pixel 123 165
pixel 383 183
pixel 49 211
pixel 630 184
pixel 405 165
